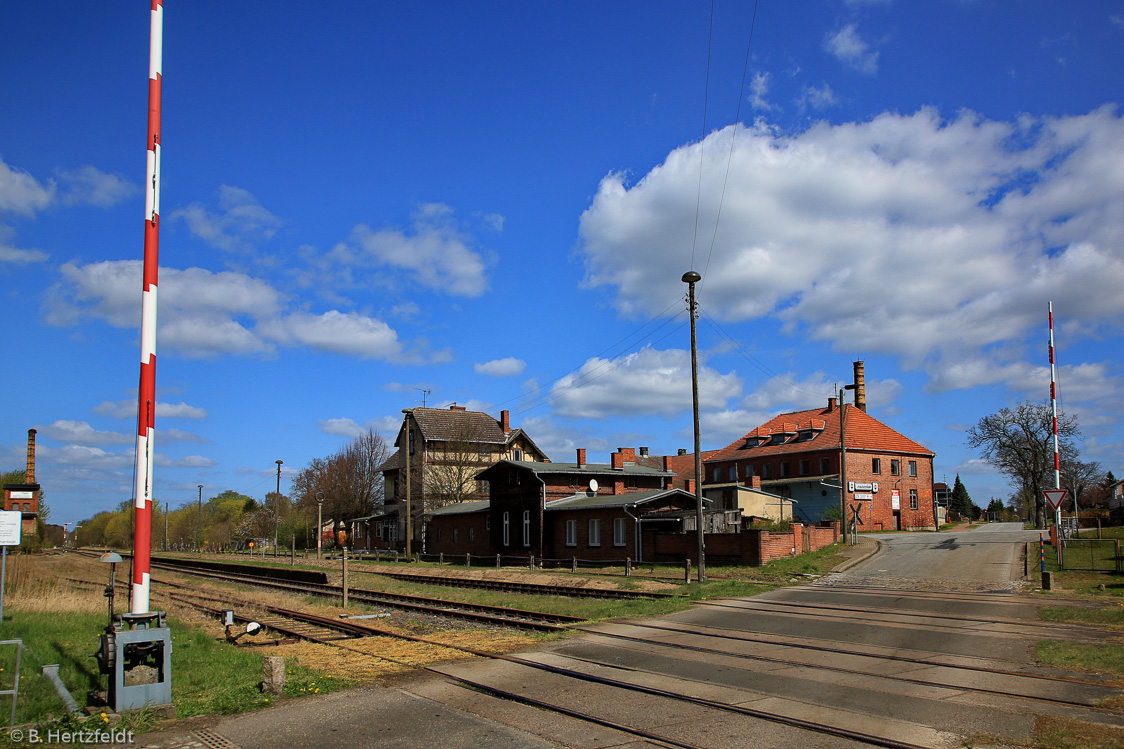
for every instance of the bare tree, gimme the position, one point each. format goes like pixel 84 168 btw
pixel 1019 442
pixel 1079 477
pixel 452 465
pixel 349 479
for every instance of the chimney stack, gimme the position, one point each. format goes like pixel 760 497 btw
pixel 617 460
pixel 643 452
pixel 581 457
pixel 860 387
pixel 830 405
pixel 30 456
pixel 505 422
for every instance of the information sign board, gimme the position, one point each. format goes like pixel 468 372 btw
pixel 11 526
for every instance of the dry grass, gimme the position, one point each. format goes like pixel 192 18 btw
pixel 37 584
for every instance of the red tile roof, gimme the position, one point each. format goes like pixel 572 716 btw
pixel 864 432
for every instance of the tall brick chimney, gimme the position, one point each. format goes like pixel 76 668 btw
pixel 505 422
pixel 581 457
pixel 860 387
pixel 30 457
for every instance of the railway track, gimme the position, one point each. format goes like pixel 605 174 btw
pixel 525 588
pixel 349 631
pixel 492 615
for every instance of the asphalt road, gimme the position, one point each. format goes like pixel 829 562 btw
pixel 925 643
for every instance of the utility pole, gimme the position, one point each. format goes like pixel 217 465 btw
pixel 407 434
pixel 691 278
pixel 843 469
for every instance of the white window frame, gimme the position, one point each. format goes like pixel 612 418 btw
pixel 620 533
pixel 594 531
pixel 507 529
pixel 571 532
pixel 526 528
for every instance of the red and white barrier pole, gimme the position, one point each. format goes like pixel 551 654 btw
pixel 146 410
pixel 1054 408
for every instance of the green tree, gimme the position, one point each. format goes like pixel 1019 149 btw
pixel 960 502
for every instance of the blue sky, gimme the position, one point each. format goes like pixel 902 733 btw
pixel 495 202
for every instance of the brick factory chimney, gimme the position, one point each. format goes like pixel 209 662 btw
pixel 860 387
pixel 505 421
pixel 581 457
pixel 30 457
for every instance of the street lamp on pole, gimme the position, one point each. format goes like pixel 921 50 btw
pixel 319 521
pixel 199 545
pixel 276 506
pixel 691 278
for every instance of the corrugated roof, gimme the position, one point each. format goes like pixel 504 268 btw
pixel 462 508
pixel 864 432
pixel 592 470
pixel 585 500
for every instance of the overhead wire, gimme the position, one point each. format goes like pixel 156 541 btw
pixel 702 139
pixel 754 360
pixel 733 136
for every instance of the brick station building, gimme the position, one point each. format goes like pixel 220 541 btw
pixel 24 497
pixel 797 456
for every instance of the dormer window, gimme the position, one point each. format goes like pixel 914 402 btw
pixel 805 436
pixel 778 439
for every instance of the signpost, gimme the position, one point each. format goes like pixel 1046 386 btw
pixel 11 527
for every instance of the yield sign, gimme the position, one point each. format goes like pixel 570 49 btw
pixel 1055 496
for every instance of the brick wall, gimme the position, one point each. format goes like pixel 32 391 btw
pixel 746 548
pixel 860 468
pixel 459 535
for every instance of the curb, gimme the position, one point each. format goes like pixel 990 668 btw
pixel 848 564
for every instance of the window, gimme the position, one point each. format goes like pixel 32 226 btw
pixel 618 531
pixel 526 527
pixel 487 522
pixel 471 534
pixel 805 467
pixel 456 534
pixel 518 455
pixel 876 465
pixel 784 469
pixel 438 534
pixel 913 468
pixel 733 473
pixel 717 474
pixel 594 532
pixel 913 499
pixel 507 529
pixel 767 471
pixel 825 465
pixel 895 467
pixel 411 442
pixel 778 439
pixel 571 532
pixel 748 471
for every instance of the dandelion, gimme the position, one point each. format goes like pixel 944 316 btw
pixel 316 691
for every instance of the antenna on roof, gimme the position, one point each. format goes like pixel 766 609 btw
pixel 424 393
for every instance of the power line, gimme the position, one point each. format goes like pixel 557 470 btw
pixel 730 157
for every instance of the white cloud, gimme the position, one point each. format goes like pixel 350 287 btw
pixel 848 47
pixel 506 367
pixel 645 382
pixel 127 409
pixel 13 255
pixel 759 87
pixel 204 314
pixel 240 224
pixel 817 98
pixel 435 252
pixel 81 433
pixel 89 185
pixel 336 332
pixel 191 461
pixel 21 193
pixel 342 426
pixel 935 241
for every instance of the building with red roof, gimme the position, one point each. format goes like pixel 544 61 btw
pixel 888 477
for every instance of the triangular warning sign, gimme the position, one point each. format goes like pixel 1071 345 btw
pixel 1055 496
